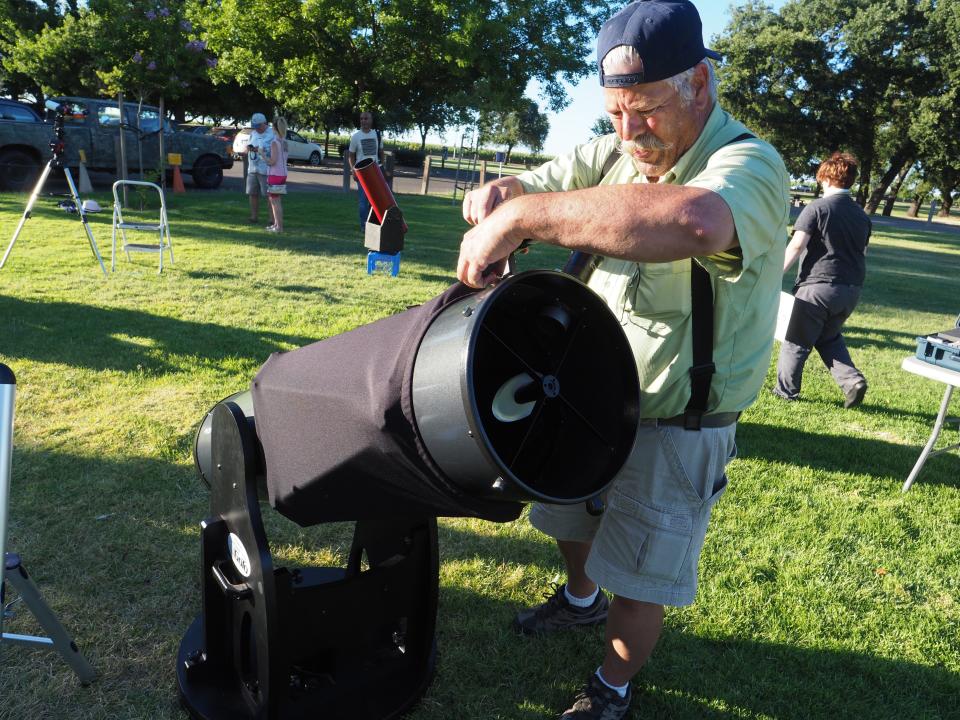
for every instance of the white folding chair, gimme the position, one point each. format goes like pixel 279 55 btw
pixel 162 228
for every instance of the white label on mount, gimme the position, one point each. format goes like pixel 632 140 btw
pixel 238 553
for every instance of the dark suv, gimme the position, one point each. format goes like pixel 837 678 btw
pixel 17 111
pixel 94 126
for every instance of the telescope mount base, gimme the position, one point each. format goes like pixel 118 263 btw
pixel 271 643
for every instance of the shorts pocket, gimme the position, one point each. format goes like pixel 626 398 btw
pixel 654 543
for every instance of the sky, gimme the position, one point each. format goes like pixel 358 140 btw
pixel 573 124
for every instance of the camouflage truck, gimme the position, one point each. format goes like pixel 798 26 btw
pixel 94 126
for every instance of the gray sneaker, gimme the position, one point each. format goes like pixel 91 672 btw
pixel 557 613
pixel 598 702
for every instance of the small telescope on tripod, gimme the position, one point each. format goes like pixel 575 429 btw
pixel 57 149
pixel 466 406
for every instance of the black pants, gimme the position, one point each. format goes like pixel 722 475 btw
pixel 819 312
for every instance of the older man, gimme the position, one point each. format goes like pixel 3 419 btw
pixel 688 224
pixel 257 149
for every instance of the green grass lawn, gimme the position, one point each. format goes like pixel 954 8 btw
pixel 825 592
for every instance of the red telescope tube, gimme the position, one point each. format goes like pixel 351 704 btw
pixel 375 187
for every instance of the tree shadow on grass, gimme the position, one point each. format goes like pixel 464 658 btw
pixel 854 455
pixel 515 677
pixel 860 336
pixel 91 337
pixel 116 557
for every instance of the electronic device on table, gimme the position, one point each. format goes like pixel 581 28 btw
pixel 941 348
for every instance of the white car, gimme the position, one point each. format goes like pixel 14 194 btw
pixel 299 149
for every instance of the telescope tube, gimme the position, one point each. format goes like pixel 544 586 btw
pixel 375 187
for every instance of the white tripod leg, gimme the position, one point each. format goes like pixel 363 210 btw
pixel 26 213
pixel 83 218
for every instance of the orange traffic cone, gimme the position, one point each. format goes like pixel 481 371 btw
pixel 178 180
pixel 84 185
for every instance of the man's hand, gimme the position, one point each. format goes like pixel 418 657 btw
pixel 479 203
pixel 486 248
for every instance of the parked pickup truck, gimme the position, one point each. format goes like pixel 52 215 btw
pixel 94 126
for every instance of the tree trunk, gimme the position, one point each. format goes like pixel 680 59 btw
pixel 915 204
pixel 900 158
pixel 509 151
pixel 895 189
pixel 866 169
pixel 423 137
pixel 947 195
pixel 326 142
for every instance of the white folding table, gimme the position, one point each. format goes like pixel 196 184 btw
pixel 951 378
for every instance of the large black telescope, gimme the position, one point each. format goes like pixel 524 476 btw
pixel 469 406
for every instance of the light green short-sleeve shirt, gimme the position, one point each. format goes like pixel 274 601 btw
pixel 653 301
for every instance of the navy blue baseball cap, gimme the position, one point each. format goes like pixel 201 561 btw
pixel 667 35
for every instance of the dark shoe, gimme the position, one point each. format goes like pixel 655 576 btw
pixel 598 702
pixel 854 396
pixel 557 613
pixel 776 392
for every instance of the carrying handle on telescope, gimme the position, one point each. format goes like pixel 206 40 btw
pixel 231 590
pixel 511 266
pixel 581 265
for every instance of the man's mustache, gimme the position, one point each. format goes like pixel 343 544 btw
pixel 644 142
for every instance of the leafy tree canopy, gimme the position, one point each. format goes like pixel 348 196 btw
pixel 421 63
pixel 524 125
pixel 823 75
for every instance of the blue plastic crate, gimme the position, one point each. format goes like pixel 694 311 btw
pixel 392 259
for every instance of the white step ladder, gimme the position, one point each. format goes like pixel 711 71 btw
pixel 162 227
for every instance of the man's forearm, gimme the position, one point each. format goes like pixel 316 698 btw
pixel 642 223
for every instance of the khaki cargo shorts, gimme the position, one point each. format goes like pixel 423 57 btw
pixel 646 544
pixel 256 184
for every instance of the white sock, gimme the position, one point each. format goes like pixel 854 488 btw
pixel 621 689
pixel 580 602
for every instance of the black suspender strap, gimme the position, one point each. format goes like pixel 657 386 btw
pixel 701 326
pixel 702 370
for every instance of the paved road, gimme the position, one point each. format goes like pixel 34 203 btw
pixel 330 178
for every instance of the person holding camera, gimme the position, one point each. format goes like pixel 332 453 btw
pixel 686 225
pixel 257 151
pixel 830 236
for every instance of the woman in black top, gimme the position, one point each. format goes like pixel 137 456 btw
pixel 830 237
